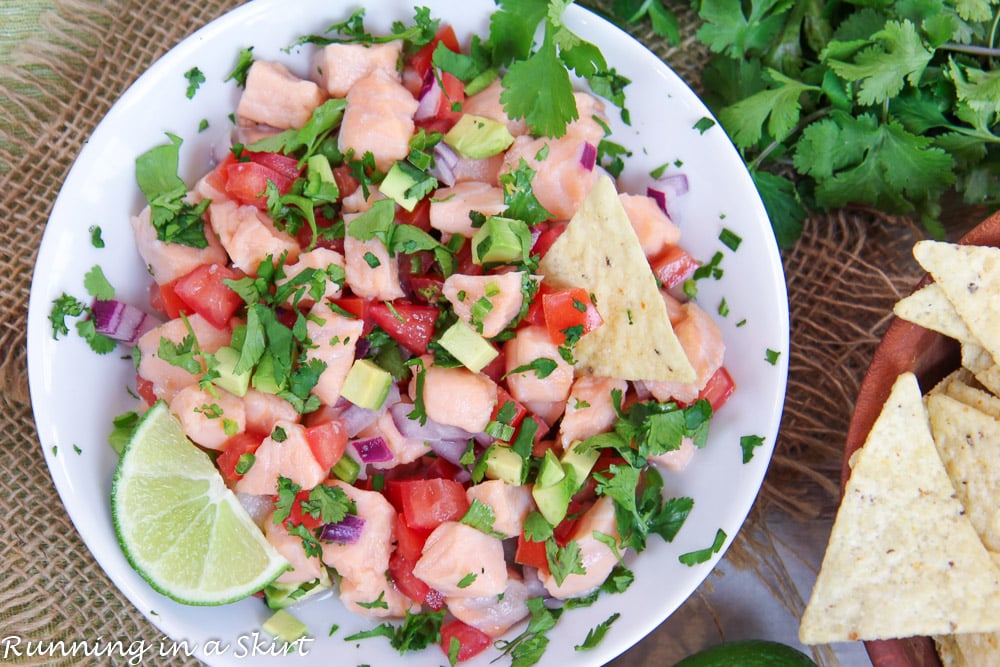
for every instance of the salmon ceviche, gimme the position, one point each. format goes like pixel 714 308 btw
pixel 358 313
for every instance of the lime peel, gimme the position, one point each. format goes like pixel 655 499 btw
pixel 180 527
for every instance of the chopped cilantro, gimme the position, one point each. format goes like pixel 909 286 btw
pixel 328 503
pixel 95 236
pixel 723 308
pixel 481 517
pixel 195 78
pixel 377 603
pixel 564 560
pixel 62 307
pixel 748 443
pixel 243 63
pixel 467 580
pixel 703 555
pixel 704 124
pixel 203 125
pixel 97 284
pixel 418 413
pixel 543 367
pixel 418 631
pixel 597 633
pixel 175 220
pixel 372 261
pixel 518 196
pixel 771 356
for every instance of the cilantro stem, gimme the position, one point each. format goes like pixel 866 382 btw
pixel 971 49
pixel 805 122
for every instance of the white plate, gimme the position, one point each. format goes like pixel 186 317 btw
pixel 75 393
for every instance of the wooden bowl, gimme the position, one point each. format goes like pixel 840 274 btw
pixel 930 356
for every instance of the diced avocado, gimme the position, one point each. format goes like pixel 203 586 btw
pixel 320 183
pixel 280 595
pixel 477 137
pixel 550 471
pixel 263 377
pixel 366 385
pixel 501 240
pixel 581 461
pixel 474 351
pixel 504 463
pixel 553 501
pixel 282 625
pixel 233 382
pixel 396 183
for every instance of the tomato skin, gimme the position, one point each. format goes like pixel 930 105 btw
pixel 204 292
pixel 519 410
pixel 718 389
pixel 568 308
pixel 359 307
pixel 237 446
pixel 674 266
pixel 472 641
pixel 327 442
pixel 426 289
pixel 283 164
pixel 419 217
pixel 415 330
pixel 401 571
pixel 429 502
pixel 346 182
pixel 144 388
pixel 531 553
pixel 246 182
pixel 216 179
pixel 421 60
pixel 164 299
pixel 409 541
pixel 547 238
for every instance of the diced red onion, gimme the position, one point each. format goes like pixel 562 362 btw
pixel 667 189
pixel 372 450
pixel 347 531
pixel 430 431
pixel 445 161
pixel 361 348
pixel 429 99
pixel 450 450
pixel 121 321
pixel 356 419
pixel 588 158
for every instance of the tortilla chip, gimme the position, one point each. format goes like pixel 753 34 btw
pixel 961 376
pixel 979 649
pixel 968 442
pixel 949 652
pixel 903 559
pixel 971 396
pixel 970 277
pixel 929 307
pixel 600 252
pixel 980 363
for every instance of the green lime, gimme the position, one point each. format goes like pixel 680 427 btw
pixel 179 525
pixel 748 653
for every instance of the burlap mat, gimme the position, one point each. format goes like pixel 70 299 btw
pixel 842 279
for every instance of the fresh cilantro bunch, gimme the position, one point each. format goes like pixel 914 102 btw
pixel 889 105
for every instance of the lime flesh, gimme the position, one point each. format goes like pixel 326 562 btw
pixel 179 525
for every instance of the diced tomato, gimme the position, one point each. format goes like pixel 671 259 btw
pixel 144 388
pixel 217 178
pixel 426 289
pixel 204 291
pixel 674 266
pixel 503 398
pixel 421 60
pixel 439 468
pixel 429 502
pixel 327 442
pixel 164 299
pixel 297 516
pixel 718 389
pixel 358 307
pixel 569 308
pixel 496 368
pixel 419 217
pixel 235 447
pixel 531 553
pixel 471 641
pixel 283 164
pixel 535 314
pixel 574 512
pixel 409 541
pixel 346 183
pixel 401 571
pixel 547 238
pixel 411 325
pixel 246 182
pixel 449 107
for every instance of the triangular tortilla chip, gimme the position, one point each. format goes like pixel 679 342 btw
pixel 930 308
pixel 977 398
pixel 968 442
pixel 600 252
pixel 903 559
pixel 970 276
pixel 978 649
pixel 948 651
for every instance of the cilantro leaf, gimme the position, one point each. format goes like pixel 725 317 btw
pixel 597 633
pixel 97 284
pixel 62 307
pixel 703 555
pixel 195 78
pixel 564 560
pixel 748 443
pixel 745 120
pixel 538 90
pixel 481 517
pixel 727 29
pixel 897 53
pixel 243 63
pixel 329 504
pixel 175 220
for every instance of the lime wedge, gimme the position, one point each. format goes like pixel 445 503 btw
pixel 179 525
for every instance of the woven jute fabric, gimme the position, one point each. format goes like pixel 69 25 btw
pixel 842 279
